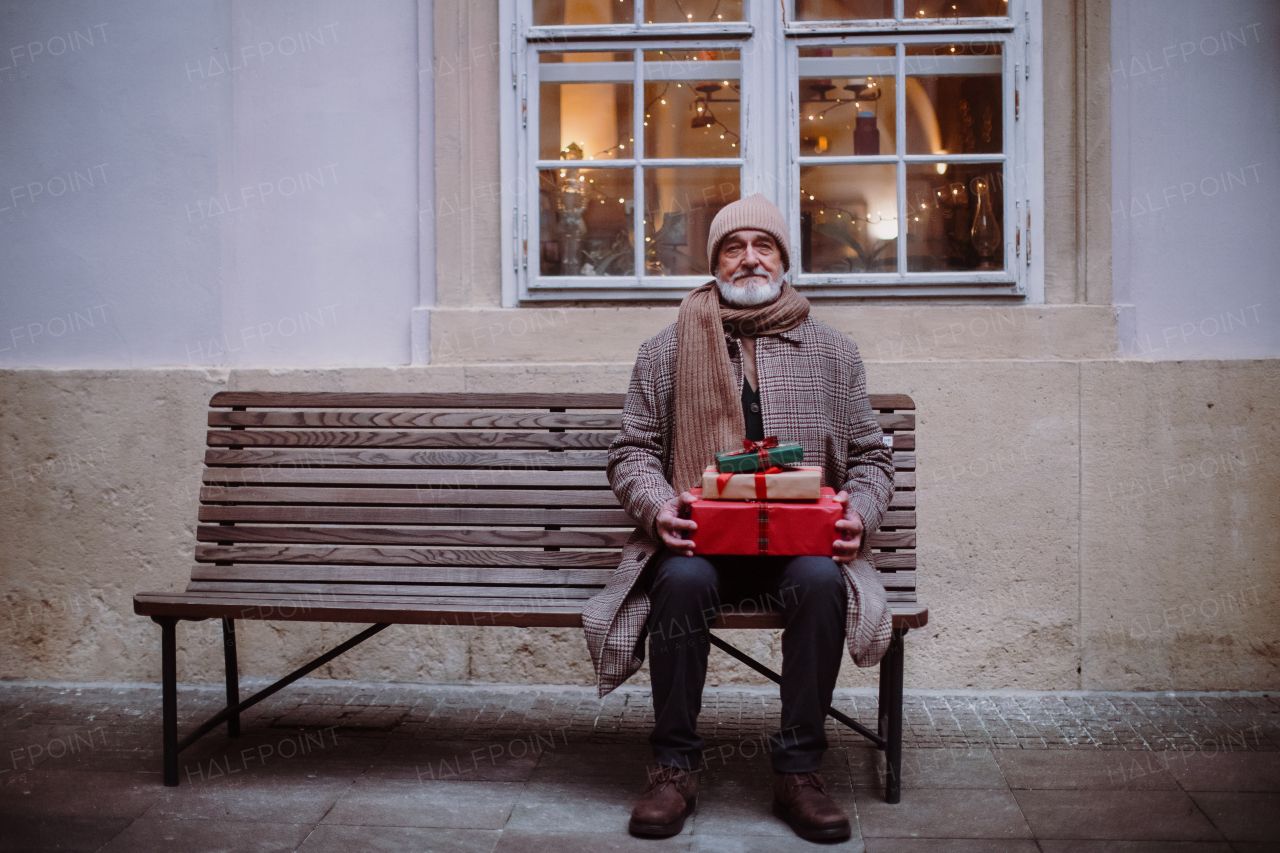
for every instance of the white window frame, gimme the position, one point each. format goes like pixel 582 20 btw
pixel 769 44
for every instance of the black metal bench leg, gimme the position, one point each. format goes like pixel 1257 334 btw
pixel 233 676
pixel 893 746
pixel 169 693
pixel 882 705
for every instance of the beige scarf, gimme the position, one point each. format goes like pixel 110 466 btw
pixel 708 416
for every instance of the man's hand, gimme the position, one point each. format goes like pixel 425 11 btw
pixel 845 549
pixel 672 528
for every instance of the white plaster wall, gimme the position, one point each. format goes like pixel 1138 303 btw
pixel 265 215
pixel 1196 177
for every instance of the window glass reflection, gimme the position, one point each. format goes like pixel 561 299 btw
pixel 584 107
pixel 692 11
pixel 954 99
pixel 955 216
pixel 679 206
pixel 586 221
pixel 551 13
pixel 923 9
pixel 692 103
pixel 846 101
pixel 842 10
pixel 848 218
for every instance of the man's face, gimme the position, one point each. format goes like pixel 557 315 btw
pixel 749 268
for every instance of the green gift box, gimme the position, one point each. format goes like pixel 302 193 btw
pixel 748 460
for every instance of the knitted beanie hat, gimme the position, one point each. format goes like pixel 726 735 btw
pixel 755 212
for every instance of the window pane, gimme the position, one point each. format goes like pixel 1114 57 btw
pixel 679 206
pixel 547 13
pixel 691 103
pixel 954 99
pixel 955 216
pixel 842 10
pixel 846 101
pixel 848 218
pixel 692 11
pixel 955 8
pixel 583 102
pixel 585 221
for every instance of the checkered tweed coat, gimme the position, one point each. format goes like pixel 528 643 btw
pixel 813 390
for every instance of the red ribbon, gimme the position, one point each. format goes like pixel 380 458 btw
pixel 762 486
pixel 760 447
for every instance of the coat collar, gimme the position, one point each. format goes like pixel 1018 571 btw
pixel 795 336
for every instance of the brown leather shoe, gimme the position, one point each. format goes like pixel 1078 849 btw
pixel 669 799
pixel 801 800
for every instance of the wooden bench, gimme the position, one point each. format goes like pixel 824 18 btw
pixel 457 509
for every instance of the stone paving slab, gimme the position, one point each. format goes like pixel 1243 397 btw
pixel 329 765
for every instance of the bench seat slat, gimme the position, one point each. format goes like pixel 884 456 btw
pixel 392 457
pixel 464 536
pixel 469 536
pixel 896 420
pixel 908 614
pixel 894 560
pixel 893 539
pixel 485 612
pixel 449 478
pixel 403 556
pixel 400 438
pixel 524 516
pixel 415 496
pixel 891 401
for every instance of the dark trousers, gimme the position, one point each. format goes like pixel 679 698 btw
pixel 686 594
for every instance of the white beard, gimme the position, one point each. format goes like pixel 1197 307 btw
pixel 748 296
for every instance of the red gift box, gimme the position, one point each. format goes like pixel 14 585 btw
pixel 766 528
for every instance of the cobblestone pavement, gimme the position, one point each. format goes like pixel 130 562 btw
pixel 336 766
pixel 1026 720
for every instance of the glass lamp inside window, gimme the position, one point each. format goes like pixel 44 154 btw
pixel 955 217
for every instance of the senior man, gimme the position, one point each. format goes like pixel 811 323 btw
pixel 744 358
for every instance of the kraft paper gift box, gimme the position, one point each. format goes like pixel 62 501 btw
pixel 748 461
pixel 802 483
pixel 766 528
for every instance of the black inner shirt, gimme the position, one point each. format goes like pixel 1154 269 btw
pixel 752 412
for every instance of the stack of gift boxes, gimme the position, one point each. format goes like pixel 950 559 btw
pixel 757 501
